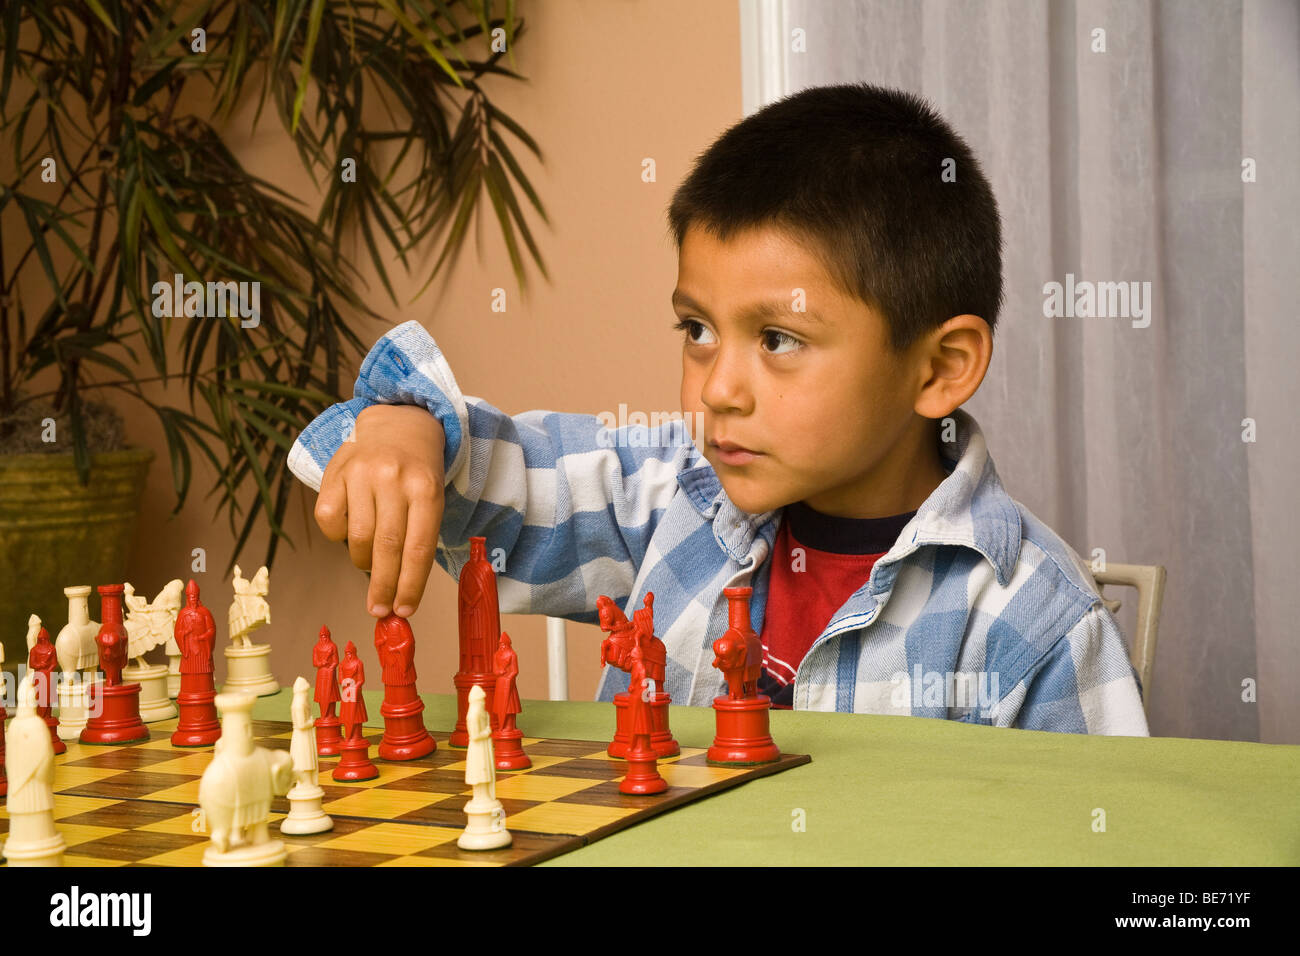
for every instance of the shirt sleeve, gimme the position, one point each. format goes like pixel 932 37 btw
pixel 568 504
pixel 1084 684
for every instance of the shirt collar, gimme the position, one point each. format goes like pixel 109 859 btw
pixel 970 508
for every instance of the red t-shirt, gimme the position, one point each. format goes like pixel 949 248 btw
pixel 834 558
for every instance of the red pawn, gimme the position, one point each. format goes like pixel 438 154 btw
pixel 643 777
pixel 195 634
pixel 325 658
pixel 355 763
pixel 114 707
pixel 742 716
pixel 506 747
pixel 405 736
pixel 4 781
pixel 42 660
pixel 479 618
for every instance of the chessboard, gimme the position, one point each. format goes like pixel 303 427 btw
pixel 138 804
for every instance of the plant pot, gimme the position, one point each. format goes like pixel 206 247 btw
pixel 55 532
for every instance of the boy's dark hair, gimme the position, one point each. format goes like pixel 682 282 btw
pixel 856 170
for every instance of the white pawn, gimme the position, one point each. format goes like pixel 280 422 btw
pixel 29 764
pixel 305 813
pixel 487 818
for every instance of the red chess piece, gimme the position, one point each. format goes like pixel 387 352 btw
pixel 480 630
pixel 507 748
pixel 742 715
pixel 114 707
pixel 616 650
pixel 4 781
pixel 405 736
pixel 325 658
pixel 195 634
pixel 643 775
pixel 42 660
pixel 355 763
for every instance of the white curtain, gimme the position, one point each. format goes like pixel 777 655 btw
pixel 1127 166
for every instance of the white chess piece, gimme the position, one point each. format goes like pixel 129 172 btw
pixel 34 840
pixel 78 659
pixel 150 625
pixel 486 829
pixel 250 609
pixel 248 665
pixel 236 790
pixel 305 813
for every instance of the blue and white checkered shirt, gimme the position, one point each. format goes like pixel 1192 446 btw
pixel 978 613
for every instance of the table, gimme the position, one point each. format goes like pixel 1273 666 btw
pixel 917 791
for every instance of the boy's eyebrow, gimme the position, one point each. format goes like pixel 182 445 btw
pixel 772 309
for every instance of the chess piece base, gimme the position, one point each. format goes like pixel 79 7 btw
pixel 198 726
pixel 119 719
pixel 270 853
pixel 173 676
pixel 661 740
pixel 464 681
pixel 72 706
pixel 405 736
pixel 305 813
pixel 508 752
pixel 59 746
pixel 43 850
pixel 742 737
pixel 248 670
pixel 643 777
pixel 484 832
pixel 329 736
pixel 155 705
pixel 355 763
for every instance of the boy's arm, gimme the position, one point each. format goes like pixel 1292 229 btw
pixel 1084 684
pixel 567 505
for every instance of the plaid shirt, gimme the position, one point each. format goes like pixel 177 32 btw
pixel 978 613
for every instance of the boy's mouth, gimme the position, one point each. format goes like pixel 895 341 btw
pixel 729 453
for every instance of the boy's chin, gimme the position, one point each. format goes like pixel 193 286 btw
pixel 752 501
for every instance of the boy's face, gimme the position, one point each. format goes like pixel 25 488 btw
pixel 817 395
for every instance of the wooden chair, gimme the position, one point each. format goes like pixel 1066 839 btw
pixel 1150 583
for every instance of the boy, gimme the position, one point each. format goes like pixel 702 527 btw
pixel 839 278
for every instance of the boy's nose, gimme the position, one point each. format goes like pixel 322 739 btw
pixel 727 387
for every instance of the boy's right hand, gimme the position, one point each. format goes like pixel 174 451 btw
pixel 383 493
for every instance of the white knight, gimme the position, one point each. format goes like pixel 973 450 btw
pixel 237 788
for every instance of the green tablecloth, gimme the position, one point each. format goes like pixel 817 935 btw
pixel 909 791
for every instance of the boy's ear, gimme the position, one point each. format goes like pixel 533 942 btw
pixel 952 360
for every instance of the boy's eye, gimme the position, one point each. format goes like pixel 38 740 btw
pixel 775 339
pixel 694 330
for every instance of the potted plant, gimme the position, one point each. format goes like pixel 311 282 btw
pixel 136 251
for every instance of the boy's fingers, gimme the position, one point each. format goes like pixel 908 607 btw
pixel 386 555
pixel 418 554
pixel 332 506
pixel 361 526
